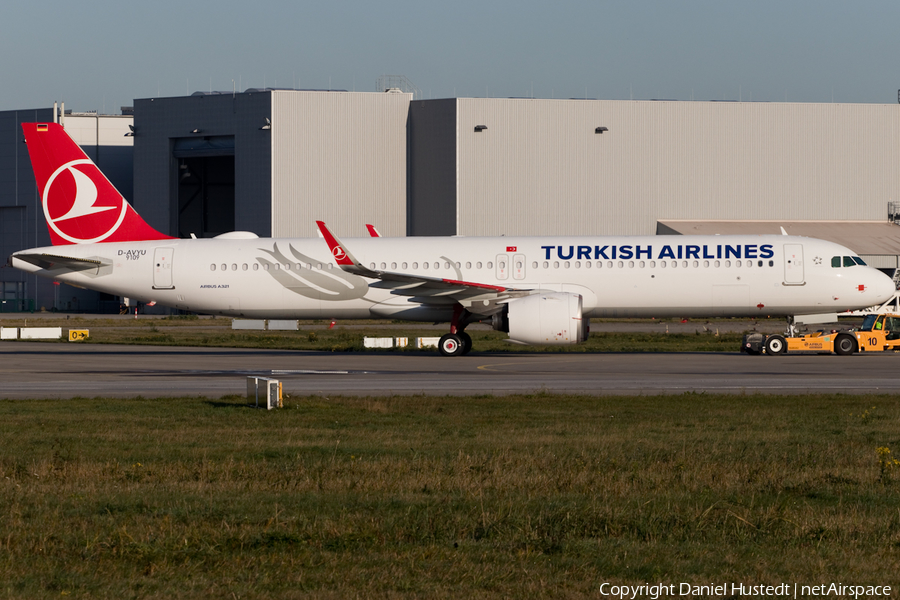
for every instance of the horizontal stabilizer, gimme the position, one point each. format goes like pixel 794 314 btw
pixel 53 261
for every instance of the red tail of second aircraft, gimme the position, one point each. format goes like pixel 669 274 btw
pixel 80 205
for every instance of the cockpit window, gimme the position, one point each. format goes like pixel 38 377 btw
pixel 835 261
pixel 868 322
pixel 848 261
pixel 859 261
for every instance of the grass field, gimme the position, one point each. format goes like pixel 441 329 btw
pixel 435 497
pixel 348 336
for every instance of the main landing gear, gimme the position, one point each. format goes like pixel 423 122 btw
pixel 457 342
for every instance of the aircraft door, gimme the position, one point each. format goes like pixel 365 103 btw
pixel 503 266
pixel 162 268
pixel 793 264
pixel 518 266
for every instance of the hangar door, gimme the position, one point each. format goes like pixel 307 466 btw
pixel 205 180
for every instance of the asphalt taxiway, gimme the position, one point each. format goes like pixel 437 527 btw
pixel 52 370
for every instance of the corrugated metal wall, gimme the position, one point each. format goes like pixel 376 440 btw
pixel 539 167
pixel 339 157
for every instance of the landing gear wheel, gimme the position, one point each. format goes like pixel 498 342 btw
pixel 844 344
pixel 775 344
pixel 451 345
pixel 466 342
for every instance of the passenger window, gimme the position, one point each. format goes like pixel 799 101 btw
pixel 848 261
pixel 212 267
pixel 652 264
pixel 468 265
pixel 478 265
pixel 771 263
pixel 490 265
pixel 425 265
pixel 599 264
pixel 256 266
pixel 404 266
pixel 415 265
pixel 546 265
pixel 534 265
pixel 568 265
pixel 555 264
pixel 244 267
pixel 393 266
pixel 587 265
pixel 835 261
pixel 224 267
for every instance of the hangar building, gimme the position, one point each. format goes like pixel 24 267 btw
pixel 603 167
pixel 274 161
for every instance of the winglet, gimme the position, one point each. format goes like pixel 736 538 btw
pixel 338 251
pixel 372 231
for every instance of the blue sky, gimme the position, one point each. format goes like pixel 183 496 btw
pixel 101 55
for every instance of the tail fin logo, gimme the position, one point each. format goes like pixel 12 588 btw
pixel 73 208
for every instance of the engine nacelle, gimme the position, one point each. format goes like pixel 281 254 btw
pixel 546 318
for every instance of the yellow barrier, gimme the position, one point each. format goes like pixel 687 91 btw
pixel 78 335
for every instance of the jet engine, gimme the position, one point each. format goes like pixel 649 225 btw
pixel 544 318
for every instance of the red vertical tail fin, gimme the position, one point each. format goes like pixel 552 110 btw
pixel 80 205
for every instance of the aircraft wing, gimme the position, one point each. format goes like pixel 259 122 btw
pixel 421 288
pixel 53 261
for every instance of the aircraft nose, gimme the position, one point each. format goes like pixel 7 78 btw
pixel 882 287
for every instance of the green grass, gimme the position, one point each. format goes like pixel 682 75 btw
pixel 438 497
pixel 184 331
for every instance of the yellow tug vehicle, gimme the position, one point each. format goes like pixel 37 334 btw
pixel 878 333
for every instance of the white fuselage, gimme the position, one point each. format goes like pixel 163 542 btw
pixel 627 276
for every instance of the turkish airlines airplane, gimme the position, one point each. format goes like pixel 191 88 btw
pixel 541 290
